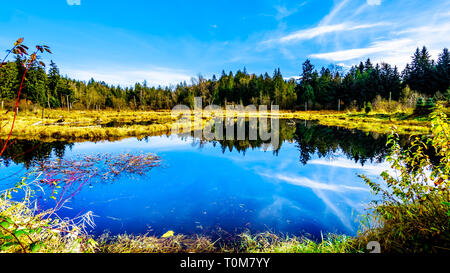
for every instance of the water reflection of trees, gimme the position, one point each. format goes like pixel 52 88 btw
pixel 311 139
pixel 29 151
pixel 325 141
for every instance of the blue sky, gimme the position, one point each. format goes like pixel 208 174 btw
pixel 165 42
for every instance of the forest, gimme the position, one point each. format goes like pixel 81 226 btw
pixel 328 88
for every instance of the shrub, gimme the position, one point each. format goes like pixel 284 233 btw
pixel 413 212
pixel 424 107
pixel 408 97
pixel 420 102
pixel 368 107
pixel 383 105
pixel 429 103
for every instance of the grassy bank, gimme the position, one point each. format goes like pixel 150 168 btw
pixel 108 125
pixel 379 122
pixel 244 243
pixel 88 125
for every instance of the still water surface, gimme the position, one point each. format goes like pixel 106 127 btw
pixel 307 186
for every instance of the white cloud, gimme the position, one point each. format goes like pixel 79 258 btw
pixel 441 28
pixel 308 183
pixel 73 2
pixel 373 2
pixel 128 77
pixel 330 16
pixel 435 35
pixel 386 47
pixel 334 208
pixel 283 11
pixel 310 33
pixel 372 169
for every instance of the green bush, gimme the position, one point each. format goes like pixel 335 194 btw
pixel 420 103
pixel 429 103
pixel 368 108
pixel 412 215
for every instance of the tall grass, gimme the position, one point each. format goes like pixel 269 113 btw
pixel 24 228
pixel 270 243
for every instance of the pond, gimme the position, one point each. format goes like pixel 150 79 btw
pixel 309 185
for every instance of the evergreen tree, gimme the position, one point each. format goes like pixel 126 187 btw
pixel 443 71
pixel 420 72
pixel 52 85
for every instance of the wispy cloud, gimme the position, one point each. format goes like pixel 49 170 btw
pixel 330 16
pixel 373 2
pixel 357 53
pixel 432 29
pixel 306 34
pixel 334 208
pixel 395 45
pixel 73 2
pixel 308 183
pixel 283 11
pixel 323 27
pixel 375 169
pixel 398 49
pixel 350 31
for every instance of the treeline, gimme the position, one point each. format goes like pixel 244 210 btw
pixel 328 88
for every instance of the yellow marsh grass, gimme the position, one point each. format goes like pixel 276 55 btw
pixel 151 244
pixel 245 243
pixel 79 125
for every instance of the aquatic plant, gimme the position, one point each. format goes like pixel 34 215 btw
pixel 66 177
pixel 25 227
